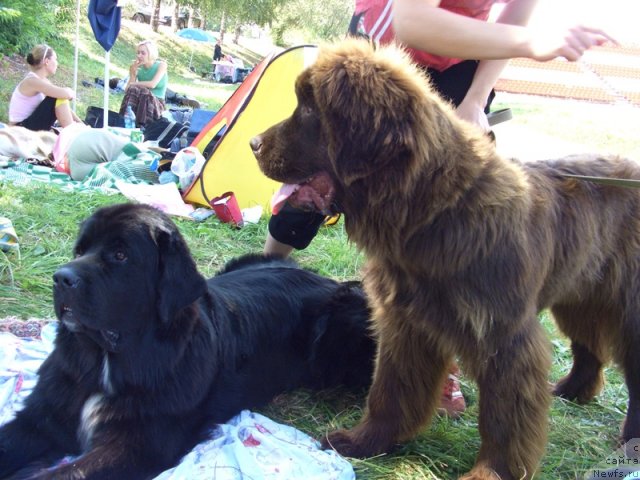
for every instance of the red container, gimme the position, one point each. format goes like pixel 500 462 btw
pixel 227 210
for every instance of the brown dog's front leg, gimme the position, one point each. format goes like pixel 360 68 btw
pixel 514 404
pixel 407 383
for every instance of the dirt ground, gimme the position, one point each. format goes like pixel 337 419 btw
pixel 14 65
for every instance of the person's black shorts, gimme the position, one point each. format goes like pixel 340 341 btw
pixel 43 117
pixel 297 228
pixel 454 82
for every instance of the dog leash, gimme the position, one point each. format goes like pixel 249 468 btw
pixel 505 114
pixel 616 182
pixel 499 116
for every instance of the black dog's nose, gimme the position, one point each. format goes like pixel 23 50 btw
pixel 66 277
pixel 256 143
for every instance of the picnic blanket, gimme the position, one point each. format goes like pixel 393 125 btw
pixel 250 446
pixel 103 177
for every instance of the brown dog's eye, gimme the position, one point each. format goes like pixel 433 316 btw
pixel 305 110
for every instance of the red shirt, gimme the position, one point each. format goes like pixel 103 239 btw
pixel 376 22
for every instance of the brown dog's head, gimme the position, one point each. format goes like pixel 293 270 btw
pixel 362 121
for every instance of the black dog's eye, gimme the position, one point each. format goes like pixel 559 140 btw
pixel 120 256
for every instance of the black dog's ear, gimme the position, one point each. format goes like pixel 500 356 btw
pixel 180 284
pixel 366 103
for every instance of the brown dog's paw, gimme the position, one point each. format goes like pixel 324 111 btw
pixel 353 443
pixel 579 390
pixel 481 473
pixel 342 442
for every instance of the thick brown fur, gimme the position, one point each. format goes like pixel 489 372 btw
pixel 464 248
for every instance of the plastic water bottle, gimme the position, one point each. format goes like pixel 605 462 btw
pixel 129 118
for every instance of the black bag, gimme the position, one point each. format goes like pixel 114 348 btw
pixel 164 131
pixel 95 115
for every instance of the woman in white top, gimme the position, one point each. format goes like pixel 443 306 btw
pixel 36 103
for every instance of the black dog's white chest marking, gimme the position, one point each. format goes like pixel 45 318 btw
pixel 92 413
pixel 106 375
pixel 89 419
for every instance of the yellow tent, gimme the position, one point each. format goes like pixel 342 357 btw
pixel 264 98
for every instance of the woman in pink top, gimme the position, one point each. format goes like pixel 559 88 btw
pixel 36 103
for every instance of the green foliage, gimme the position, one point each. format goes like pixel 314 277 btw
pixel 291 21
pixel 260 12
pixel 25 23
pixel 311 21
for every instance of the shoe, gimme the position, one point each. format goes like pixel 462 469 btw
pixel 452 403
pixel 331 220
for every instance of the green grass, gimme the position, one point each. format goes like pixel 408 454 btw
pixel 601 128
pixel 47 220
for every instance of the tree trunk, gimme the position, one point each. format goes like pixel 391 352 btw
pixel 156 15
pixel 236 33
pixel 175 18
pixel 222 27
pixel 190 24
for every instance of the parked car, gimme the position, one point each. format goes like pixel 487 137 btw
pixel 144 16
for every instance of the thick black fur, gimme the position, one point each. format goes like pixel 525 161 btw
pixel 149 355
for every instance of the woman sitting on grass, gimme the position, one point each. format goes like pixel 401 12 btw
pixel 36 103
pixel 147 85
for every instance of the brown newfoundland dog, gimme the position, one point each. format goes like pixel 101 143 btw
pixel 149 355
pixel 464 249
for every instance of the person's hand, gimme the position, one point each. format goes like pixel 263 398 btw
pixel 69 93
pixel 473 112
pixel 133 69
pixel 570 43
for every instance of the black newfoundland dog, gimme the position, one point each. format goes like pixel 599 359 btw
pixel 149 355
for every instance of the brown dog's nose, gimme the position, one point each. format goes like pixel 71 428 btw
pixel 256 143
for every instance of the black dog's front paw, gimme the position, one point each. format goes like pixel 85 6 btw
pixel 9 464
pixel 23 455
pixel 33 472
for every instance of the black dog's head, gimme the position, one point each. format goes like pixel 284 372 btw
pixel 132 271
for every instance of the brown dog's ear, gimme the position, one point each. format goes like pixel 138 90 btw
pixel 366 104
pixel 180 284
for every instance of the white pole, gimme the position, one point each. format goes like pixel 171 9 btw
pixel 105 116
pixel 75 61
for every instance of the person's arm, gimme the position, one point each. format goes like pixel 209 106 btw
pixel 420 24
pixel 133 73
pixel 32 85
pixel 471 109
pixel 162 70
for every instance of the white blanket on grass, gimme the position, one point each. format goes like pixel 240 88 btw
pixel 249 447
